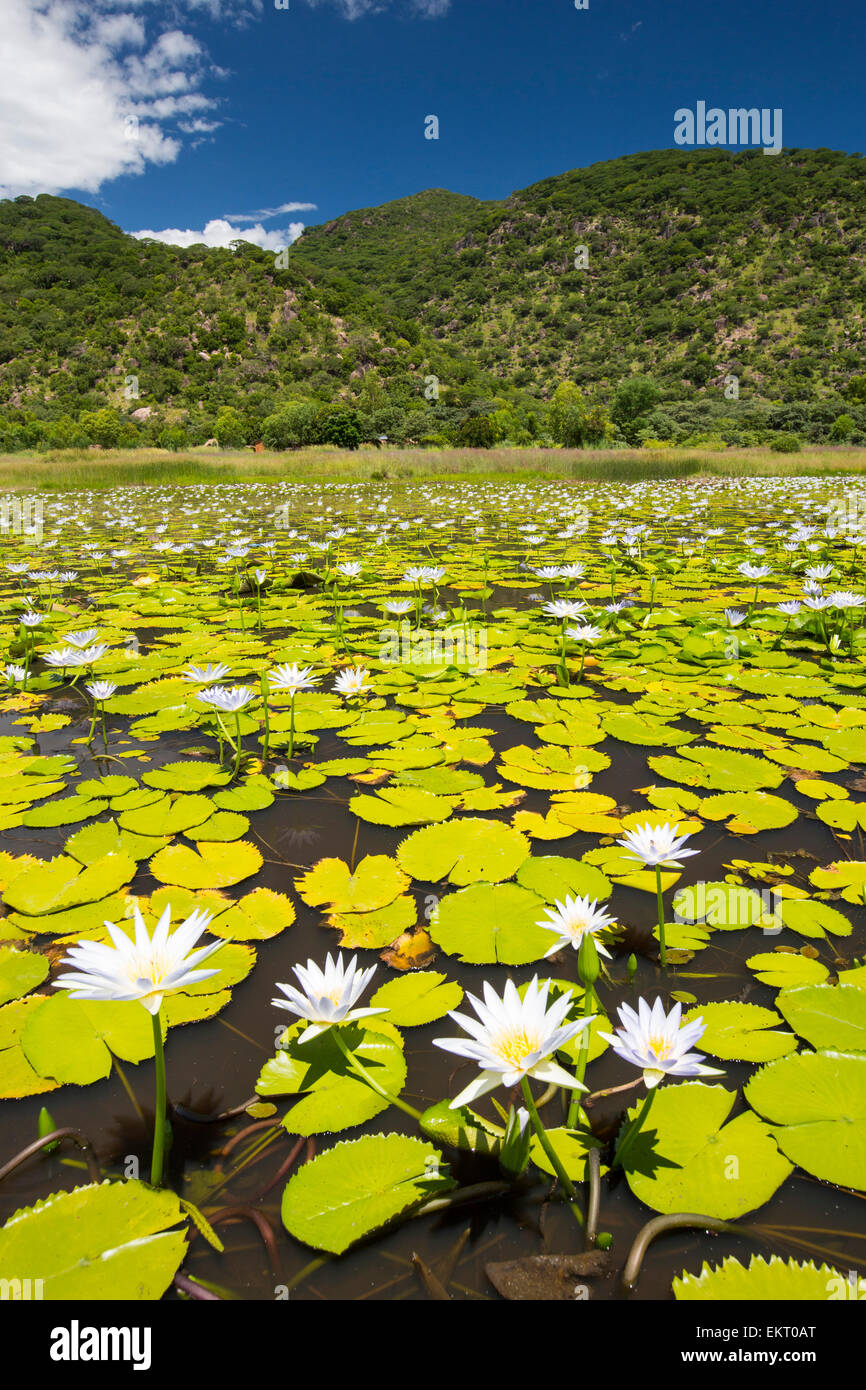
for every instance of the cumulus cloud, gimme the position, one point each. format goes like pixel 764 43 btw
pixel 220 232
pixel 86 95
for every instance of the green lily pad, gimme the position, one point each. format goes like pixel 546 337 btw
pixel 106 1241
pixel 685 1158
pixel 358 1186
pixel 816 1102
pixel 418 998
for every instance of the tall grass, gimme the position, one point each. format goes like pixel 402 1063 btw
pixel 69 470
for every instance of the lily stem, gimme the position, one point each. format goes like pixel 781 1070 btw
pixel 159 1110
pixel 361 1071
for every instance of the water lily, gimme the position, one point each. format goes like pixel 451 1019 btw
pixel 572 920
pixel 514 1038
pixel 655 846
pixel 142 969
pixel 293 679
pixel 328 996
pixel 352 680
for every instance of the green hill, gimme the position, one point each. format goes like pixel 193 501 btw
pixel 699 266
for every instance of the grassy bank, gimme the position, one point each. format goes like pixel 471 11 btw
pixel 107 469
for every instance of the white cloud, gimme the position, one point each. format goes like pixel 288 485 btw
pixel 357 9
pixel 85 97
pixel 220 232
pixel 265 214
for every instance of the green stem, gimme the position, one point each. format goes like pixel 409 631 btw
pixel 661 911
pixel 361 1071
pixel 574 1108
pixel 628 1138
pixel 567 1185
pixel 292 728
pixel 159 1110
pixel 265 692
pixel 238 749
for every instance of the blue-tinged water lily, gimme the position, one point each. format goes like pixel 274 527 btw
pixel 514 1038
pixel 659 1043
pixel 656 845
pixel 329 996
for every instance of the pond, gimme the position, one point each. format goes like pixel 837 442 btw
pixel 549 690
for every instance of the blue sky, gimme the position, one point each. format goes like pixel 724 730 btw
pixel 308 105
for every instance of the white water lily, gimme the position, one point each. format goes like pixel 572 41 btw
pixel 203 675
pixel 292 678
pixel 513 1038
pixel 228 699
pixel 565 608
pixel 574 919
pixel 659 1043
pixel 145 968
pixel 101 690
pixel 584 632
pixel 657 844
pixel 329 995
pixel 81 639
pixel 352 680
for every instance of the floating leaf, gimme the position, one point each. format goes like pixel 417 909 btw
pixel 332 1098
pixel 419 998
pixel 826 1015
pixel 213 866
pixel 375 883
pixel 773 1280
pixel 20 971
pixel 106 1241
pixel 741 1032
pixel 464 851
pixel 817 1103
pixel 492 923
pixel 358 1186
pixel 685 1158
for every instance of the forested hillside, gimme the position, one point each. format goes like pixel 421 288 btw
pixel 667 296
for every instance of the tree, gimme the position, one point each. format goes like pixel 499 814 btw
pixel 229 429
pixel 290 427
pixel 478 432
pixel 102 427
pixel 576 422
pixel 633 401
pixel 172 437
pixel 842 427
pixel 337 425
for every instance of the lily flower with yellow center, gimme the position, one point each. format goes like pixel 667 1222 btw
pixel 514 1038
pixel 573 920
pixel 145 968
pixel 328 996
pixel 659 1043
